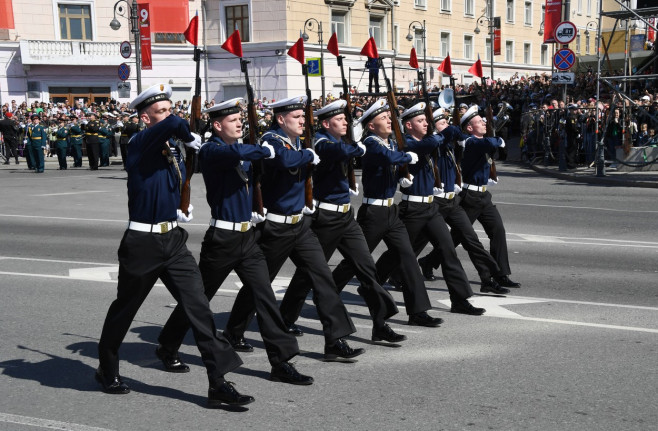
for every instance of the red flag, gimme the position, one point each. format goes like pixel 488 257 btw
pixel 370 48
pixel 413 60
pixel 332 46
pixel 234 44
pixel 297 51
pixel 476 69
pixel 445 66
pixel 192 32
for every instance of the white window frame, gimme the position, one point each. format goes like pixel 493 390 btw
pixel 527 56
pixel 223 33
pixel 449 35
pixel 418 40
pixel 587 43
pixel 589 7
pixel 527 13
pixel 487 48
pixel 445 6
pixel 543 55
pixel 92 16
pixel 382 19
pixel 472 39
pixel 509 11
pixel 420 4
pixel 579 7
pixel 472 7
pixel 509 43
pixel 578 43
pixel 346 14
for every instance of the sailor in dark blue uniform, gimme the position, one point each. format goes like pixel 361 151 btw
pixel 448 201
pixel 418 212
pixel 475 196
pixel 379 215
pixel 334 224
pixel 154 247
pixel 230 242
pixel 287 232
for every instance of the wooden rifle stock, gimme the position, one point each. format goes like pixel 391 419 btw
pixel 491 132
pixel 395 122
pixel 252 120
pixel 190 157
pixel 308 141
pixel 349 138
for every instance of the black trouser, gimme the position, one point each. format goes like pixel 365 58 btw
pixel 60 147
pixel 11 148
pixel 297 241
pixel 424 222
pixel 373 77
pixel 383 223
pixel 123 148
pixel 223 251
pixel 463 232
pixel 143 258
pixel 337 230
pixel 93 154
pixel 478 206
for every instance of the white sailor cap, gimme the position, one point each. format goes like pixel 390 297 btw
pixel 439 114
pixel 463 105
pixel 375 109
pixel 331 110
pixel 289 104
pixel 414 111
pixel 572 106
pixel 468 115
pixel 225 108
pixel 646 98
pixel 151 95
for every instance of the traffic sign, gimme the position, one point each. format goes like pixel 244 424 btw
pixel 125 49
pixel 314 66
pixel 123 71
pixel 564 59
pixel 565 32
pixel 564 78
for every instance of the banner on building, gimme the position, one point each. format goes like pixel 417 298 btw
pixel 497 37
pixel 169 16
pixel 552 17
pixel 144 25
pixel 6 14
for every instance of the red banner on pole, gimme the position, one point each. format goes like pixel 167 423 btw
pixel 497 35
pixel 651 34
pixel 144 24
pixel 552 17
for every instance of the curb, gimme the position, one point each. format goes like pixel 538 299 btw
pixel 607 180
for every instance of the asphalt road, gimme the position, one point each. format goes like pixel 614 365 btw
pixel 574 349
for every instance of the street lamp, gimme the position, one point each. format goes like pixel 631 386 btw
pixel 134 29
pixel 490 19
pixel 410 37
pixel 308 24
pixel 541 29
pixel 592 25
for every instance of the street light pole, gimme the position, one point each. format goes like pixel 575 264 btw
pixel 134 29
pixel 423 38
pixel 491 24
pixel 308 24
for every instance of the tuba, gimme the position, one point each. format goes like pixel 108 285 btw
pixel 503 117
pixel 447 98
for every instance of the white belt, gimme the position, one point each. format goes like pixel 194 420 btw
pixel 474 188
pixel 291 219
pixel 239 227
pixel 380 202
pixel 163 227
pixel 422 199
pixel 449 195
pixel 342 208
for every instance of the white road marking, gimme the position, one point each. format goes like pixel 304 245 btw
pixel 579 208
pixel 494 304
pixel 73 193
pixel 96 273
pixel 46 423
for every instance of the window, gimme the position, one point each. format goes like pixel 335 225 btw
pixel 339 25
pixel 527 54
pixel 487 49
pixel 418 40
pixel 509 11
pixel 238 17
pixel 421 4
pixel 445 5
pixel 487 8
pixel 544 55
pixel 509 51
pixel 468 47
pixel 469 7
pixel 75 22
pixel 445 44
pixel 579 7
pixel 589 7
pixel 527 13
pixel 377 30
pixel 578 43
pixel 587 44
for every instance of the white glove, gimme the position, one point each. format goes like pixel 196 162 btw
pixel 363 147
pixel 269 147
pixel 181 217
pixel 119 124
pixel 491 182
pixel 257 218
pixel 458 188
pixel 316 158
pixel 414 157
pixel 437 191
pixel 502 143
pixel 354 192
pixel 207 135
pixel 462 143
pixel 196 143
pixel 406 182
pixel 307 210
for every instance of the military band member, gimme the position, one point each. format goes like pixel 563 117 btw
pixel 121 127
pixel 37 140
pixel 92 141
pixel 62 143
pixel 105 136
pixel 75 138
pixel 154 247
pixel 378 216
pixel 334 224
pixel 230 242
pixel 286 232
pixel 475 196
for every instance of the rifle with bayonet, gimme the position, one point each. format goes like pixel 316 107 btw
pixel 190 153
pixel 395 121
pixel 308 140
pixel 252 120
pixel 456 119
pixel 349 138
pixel 430 128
